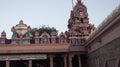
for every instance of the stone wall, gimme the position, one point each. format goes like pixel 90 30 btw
pixel 106 56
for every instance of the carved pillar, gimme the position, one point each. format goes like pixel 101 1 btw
pixel 70 60
pixel 41 41
pixel 51 60
pixel 79 61
pixel 7 63
pixel 30 63
pixel 65 61
pixel 29 41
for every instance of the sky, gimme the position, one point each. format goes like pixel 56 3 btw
pixel 53 13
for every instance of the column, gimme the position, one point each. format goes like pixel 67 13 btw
pixel 105 63
pixel 30 63
pixel 117 62
pixel 28 41
pixel 51 60
pixel 79 61
pixel 70 61
pixel 65 61
pixel 7 63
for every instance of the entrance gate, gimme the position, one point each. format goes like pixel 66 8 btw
pixel 40 63
pixel 2 64
pixel 38 60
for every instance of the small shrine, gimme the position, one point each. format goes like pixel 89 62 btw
pixel 3 37
pixel 21 33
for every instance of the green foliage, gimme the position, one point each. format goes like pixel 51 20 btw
pixel 44 28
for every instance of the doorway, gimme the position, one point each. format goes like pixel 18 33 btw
pixel 19 63
pixel 2 64
pixel 40 63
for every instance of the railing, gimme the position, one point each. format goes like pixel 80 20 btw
pixel 33 48
pixel 40 48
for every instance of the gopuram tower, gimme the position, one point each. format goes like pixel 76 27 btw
pixel 78 24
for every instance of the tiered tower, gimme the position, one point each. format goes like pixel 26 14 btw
pixel 78 24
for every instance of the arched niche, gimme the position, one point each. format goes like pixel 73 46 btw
pixel 62 38
pixel 45 38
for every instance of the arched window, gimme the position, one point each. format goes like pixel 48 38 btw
pixel 62 39
pixel 45 39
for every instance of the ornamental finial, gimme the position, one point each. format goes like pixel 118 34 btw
pixel 21 22
pixel 78 0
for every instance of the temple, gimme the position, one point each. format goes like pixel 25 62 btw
pixel 82 45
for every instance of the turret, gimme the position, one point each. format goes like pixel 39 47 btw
pixel 21 33
pixel 3 34
pixel 3 37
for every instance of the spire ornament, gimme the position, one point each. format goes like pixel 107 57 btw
pixel 21 22
pixel 79 0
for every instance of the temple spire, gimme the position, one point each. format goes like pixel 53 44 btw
pixel 78 24
pixel 72 4
pixel 79 1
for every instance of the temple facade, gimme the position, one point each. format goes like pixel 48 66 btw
pixel 82 45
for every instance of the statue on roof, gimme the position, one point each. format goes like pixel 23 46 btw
pixel 21 29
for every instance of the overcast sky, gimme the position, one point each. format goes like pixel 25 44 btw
pixel 54 13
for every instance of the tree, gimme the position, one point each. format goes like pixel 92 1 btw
pixel 44 28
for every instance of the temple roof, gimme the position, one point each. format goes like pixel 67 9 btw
pixel 3 32
pixel 106 21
